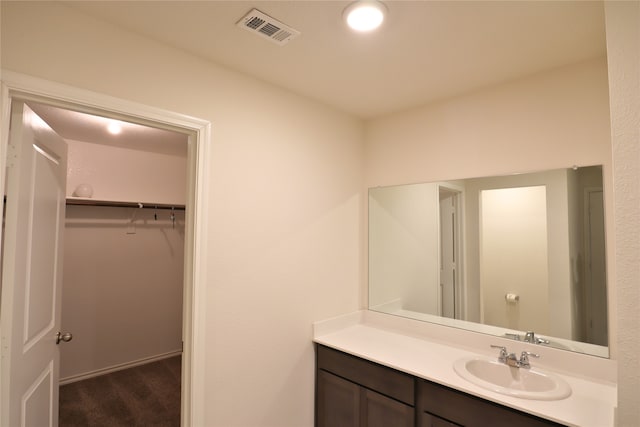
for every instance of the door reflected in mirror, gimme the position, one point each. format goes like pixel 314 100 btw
pixel 500 255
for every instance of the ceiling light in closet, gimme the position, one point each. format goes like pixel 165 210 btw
pixel 365 15
pixel 114 127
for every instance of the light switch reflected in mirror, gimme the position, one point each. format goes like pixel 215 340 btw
pixel 500 255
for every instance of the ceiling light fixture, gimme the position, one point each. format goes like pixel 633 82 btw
pixel 365 15
pixel 114 127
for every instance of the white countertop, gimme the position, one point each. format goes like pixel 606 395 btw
pixel 591 403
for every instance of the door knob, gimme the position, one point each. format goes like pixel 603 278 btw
pixel 66 337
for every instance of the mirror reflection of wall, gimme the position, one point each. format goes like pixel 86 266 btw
pixel 513 258
pixel 456 249
pixel 403 255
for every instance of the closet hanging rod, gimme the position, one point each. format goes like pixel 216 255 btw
pixel 114 204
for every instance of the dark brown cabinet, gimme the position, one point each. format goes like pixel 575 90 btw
pixel 353 392
pixel 338 401
pixel 438 406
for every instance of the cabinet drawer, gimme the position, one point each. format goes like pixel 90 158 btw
pixel 384 380
pixel 469 411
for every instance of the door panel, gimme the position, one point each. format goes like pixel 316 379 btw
pixel 39 396
pixel 338 401
pixel 41 259
pixel 380 411
pixel 32 273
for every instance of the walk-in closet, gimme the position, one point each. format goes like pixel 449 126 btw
pixel 122 293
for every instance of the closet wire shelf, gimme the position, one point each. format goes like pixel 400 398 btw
pixel 115 204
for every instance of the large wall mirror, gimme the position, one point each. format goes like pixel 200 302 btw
pixel 503 255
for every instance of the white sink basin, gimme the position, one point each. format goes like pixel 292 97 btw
pixel 529 383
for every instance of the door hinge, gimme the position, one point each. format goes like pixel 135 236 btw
pixel 11 155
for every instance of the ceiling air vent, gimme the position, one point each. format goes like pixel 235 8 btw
pixel 267 27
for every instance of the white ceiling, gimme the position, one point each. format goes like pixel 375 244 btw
pixel 76 126
pixel 425 51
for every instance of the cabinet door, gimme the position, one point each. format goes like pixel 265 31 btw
pixel 380 411
pixel 338 401
pixel 342 403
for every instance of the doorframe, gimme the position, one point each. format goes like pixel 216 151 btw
pixel 28 88
pixel 459 300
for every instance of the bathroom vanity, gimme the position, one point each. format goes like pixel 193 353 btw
pixel 352 391
pixel 377 371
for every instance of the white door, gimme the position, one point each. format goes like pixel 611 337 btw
pixel 32 271
pixel 448 248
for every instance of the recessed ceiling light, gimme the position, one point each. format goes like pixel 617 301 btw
pixel 114 127
pixel 365 15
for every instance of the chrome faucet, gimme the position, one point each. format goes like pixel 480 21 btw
pixel 524 359
pixel 531 337
pixel 503 353
pixel 511 359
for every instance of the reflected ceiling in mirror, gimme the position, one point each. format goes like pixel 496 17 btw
pixel 502 255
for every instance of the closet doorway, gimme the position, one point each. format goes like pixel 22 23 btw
pixel 122 270
pixel 18 88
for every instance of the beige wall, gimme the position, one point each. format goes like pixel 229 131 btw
pixel 509 214
pixel 122 287
pixel 550 120
pixel 403 247
pixel 623 46
pixel 284 225
pixel 115 259
pixel 127 175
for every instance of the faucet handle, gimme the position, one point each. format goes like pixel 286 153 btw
pixel 524 358
pixel 503 352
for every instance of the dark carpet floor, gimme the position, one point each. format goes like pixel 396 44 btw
pixel 147 395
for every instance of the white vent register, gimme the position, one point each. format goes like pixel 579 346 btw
pixel 268 27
